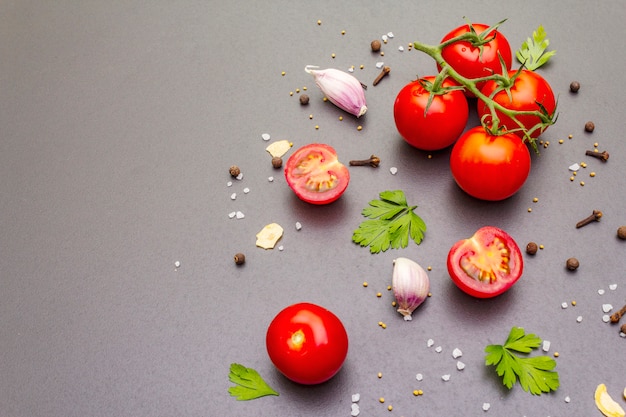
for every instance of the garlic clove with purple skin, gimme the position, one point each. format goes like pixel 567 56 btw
pixel 410 286
pixel 341 88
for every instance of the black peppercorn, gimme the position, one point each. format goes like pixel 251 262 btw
pixel 589 126
pixel 574 86
pixel 572 264
pixel 240 258
pixel 304 99
pixel 531 248
pixel 277 162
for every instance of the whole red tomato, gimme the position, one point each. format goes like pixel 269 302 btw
pixel 437 128
pixel 475 62
pixel 307 343
pixel 489 167
pixel 315 174
pixel 487 264
pixel 529 92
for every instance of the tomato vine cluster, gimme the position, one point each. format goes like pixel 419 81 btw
pixel 490 161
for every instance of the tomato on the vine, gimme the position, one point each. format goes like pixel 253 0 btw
pixel 437 128
pixel 315 174
pixel 487 264
pixel 307 343
pixel 476 62
pixel 529 92
pixel 489 167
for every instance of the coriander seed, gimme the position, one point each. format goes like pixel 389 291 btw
pixel 277 162
pixel 572 264
pixel 234 170
pixel 574 86
pixel 240 258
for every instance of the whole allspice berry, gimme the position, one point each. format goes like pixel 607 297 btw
pixel 623 328
pixel 621 232
pixel 375 45
pixel 240 258
pixel 572 264
pixel 574 86
pixel 277 162
pixel 531 248
pixel 589 126
pixel 234 170
pixel 304 99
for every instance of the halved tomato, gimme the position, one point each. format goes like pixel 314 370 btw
pixel 487 264
pixel 315 174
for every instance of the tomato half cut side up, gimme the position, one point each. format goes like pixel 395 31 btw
pixel 315 174
pixel 487 264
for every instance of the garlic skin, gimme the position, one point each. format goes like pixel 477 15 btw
pixel 341 88
pixel 410 285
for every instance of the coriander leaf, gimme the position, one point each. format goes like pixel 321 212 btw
pixel 533 52
pixel 249 384
pixel 535 374
pixel 390 224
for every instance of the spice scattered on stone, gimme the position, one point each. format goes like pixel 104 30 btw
pixel 589 127
pixel 304 99
pixel 234 171
pixel 239 258
pixel 531 248
pixel 574 86
pixel 572 264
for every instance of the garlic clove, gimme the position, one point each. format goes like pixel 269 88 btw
pixel 341 88
pixel 410 286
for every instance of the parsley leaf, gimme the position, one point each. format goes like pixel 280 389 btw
pixel 535 374
pixel 533 51
pixel 249 386
pixel 391 222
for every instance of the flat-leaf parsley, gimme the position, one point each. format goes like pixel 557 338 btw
pixel 533 51
pixel 391 221
pixel 535 374
pixel 249 386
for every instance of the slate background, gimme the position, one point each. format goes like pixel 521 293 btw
pixel 118 122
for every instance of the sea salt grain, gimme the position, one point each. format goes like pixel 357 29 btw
pixel 393 170
pixel 438 349
pixel 298 225
pixel 486 406
pixel 384 38
pixel 419 377
pixel 229 184
pixel 401 48
pixel 601 291
pixel 456 353
pixel 460 365
pixel 177 264
pixel 445 377
pixel 574 167
pixel 430 342
pixel 240 215
pixel 390 35
pixel 606 318
pixel 355 410
pixel 356 397
pixel 567 399
pixel 233 196
pixel 607 307
pixel 563 305
pixel 380 64
pixel 232 214
pixel 613 287
pixel 265 136
pixel 579 319
pixel 240 176
pixel 270 179
pixel 546 345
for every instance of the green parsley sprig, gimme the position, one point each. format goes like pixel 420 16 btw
pixel 249 384
pixel 535 374
pixel 390 224
pixel 533 52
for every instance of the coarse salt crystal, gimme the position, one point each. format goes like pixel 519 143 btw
pixel 355 410
pixel 390 35
pixel 229 184
pixel 380 64
pixel 613 287
pixel 240 215
pixel 460 365
pixel 266 136
pixel 622 334
pixel 419 377
pixel 233 196
pixel 401 48
pixel 430 342
pixel 607 307
pixel 232 214
pixel 270 179
pixel 606 318
pixel 246 190
pixel 445 377
pixel 384 38
pixel 574 167
pixel 546 345
pixel 281 248
pixel 579 319
pixel 601 291
pixel 563 305
pixel 356 397
pixel 393 170
pixel 240 176
pixel 456 353
pixel 298 225
pixel 567 399
pixel 351 69
pixel 438 349
pixel 177 264
pixel 486 406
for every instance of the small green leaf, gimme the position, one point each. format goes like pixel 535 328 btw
pixel 249 384
pixel 390 223
pixel 535 374
pixel 533 52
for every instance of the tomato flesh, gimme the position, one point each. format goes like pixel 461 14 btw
pixel 487 264
pixel 490 167
pixel 315 174
pixel 439 127
pixel 307 343
pixel 529 92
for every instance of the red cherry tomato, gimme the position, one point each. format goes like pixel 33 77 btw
pixel 440 126
pixel 470 61
pixel 307 343
pixel 487 264
pixel 489 167
pixel 529 92
pixel 315 174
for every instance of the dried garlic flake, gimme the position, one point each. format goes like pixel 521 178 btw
pixel 279 148
pixel 269 235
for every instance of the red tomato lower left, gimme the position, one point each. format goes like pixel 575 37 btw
pixel 307 343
